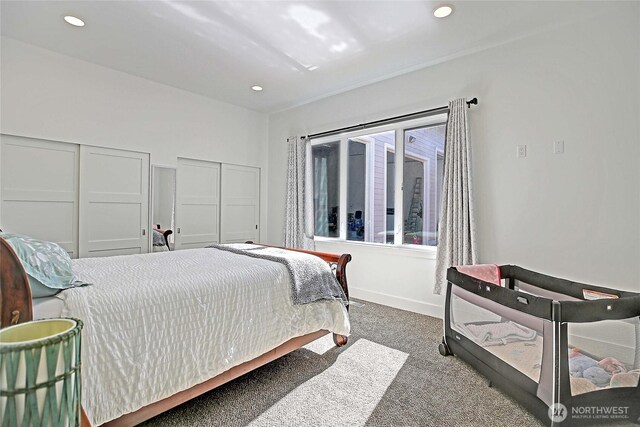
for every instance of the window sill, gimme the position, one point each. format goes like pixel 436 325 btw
pixel 426 252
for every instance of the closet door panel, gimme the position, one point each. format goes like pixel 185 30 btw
pixel 115 221
pixel 115 174
pixel 27 217
pixel 240 214
pixel 197 203
pixel 114 202
pixel 39 189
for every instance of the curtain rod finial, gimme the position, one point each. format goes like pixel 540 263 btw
pixel 473 101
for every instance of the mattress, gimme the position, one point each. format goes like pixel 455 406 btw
pixel 156 324
pixel 47 307
pixel 525 356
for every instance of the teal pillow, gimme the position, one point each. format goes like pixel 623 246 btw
pixel 46 263
pixel 39 290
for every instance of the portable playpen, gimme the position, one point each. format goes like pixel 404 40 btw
pixel 567 351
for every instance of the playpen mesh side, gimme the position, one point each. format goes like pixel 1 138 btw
pixel 603 355
pixel 514 337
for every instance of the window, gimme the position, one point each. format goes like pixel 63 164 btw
pixel 357 199
pixel 367 199
pixel 383 186
pixel 422 178
pixel 326 181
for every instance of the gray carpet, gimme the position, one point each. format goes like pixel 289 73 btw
pixel 428 390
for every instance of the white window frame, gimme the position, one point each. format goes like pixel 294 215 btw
pixel 399 152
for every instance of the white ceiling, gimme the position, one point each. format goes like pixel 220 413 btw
pixel 299 51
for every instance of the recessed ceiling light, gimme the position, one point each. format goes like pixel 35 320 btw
pixel 76 22
pixel 256 88
pixel 442 11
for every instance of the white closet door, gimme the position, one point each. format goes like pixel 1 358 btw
pixel 39 190
pixel 240 214
pixel 197 203
pixel 114 202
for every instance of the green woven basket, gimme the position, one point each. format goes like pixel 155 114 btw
pixel 40 373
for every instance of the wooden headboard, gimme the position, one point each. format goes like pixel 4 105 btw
pixel 15 293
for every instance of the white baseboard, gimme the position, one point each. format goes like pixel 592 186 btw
pixel 433 310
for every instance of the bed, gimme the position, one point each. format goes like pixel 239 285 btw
pixel 569 352
pixel 150 317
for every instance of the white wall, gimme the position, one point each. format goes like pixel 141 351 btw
pixel 51 96
pixel 574 215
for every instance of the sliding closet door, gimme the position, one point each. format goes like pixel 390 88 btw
pixel 39 190
pixel 197 203
pixel 240 214
pixel 114 202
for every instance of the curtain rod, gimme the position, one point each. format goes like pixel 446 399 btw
pixel 390 120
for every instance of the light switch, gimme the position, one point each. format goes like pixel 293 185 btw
pixel 558 147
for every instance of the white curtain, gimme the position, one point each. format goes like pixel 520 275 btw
pixel 456 228
pixel 298 228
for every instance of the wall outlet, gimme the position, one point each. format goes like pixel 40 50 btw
pixel 558 147
pixel 522 151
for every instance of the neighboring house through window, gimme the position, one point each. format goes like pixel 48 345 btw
pixel 364 190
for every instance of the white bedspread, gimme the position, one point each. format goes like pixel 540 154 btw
pixel 156 324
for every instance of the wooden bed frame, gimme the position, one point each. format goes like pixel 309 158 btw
pixel 16 307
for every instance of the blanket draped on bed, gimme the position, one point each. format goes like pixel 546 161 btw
pixel 311 278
